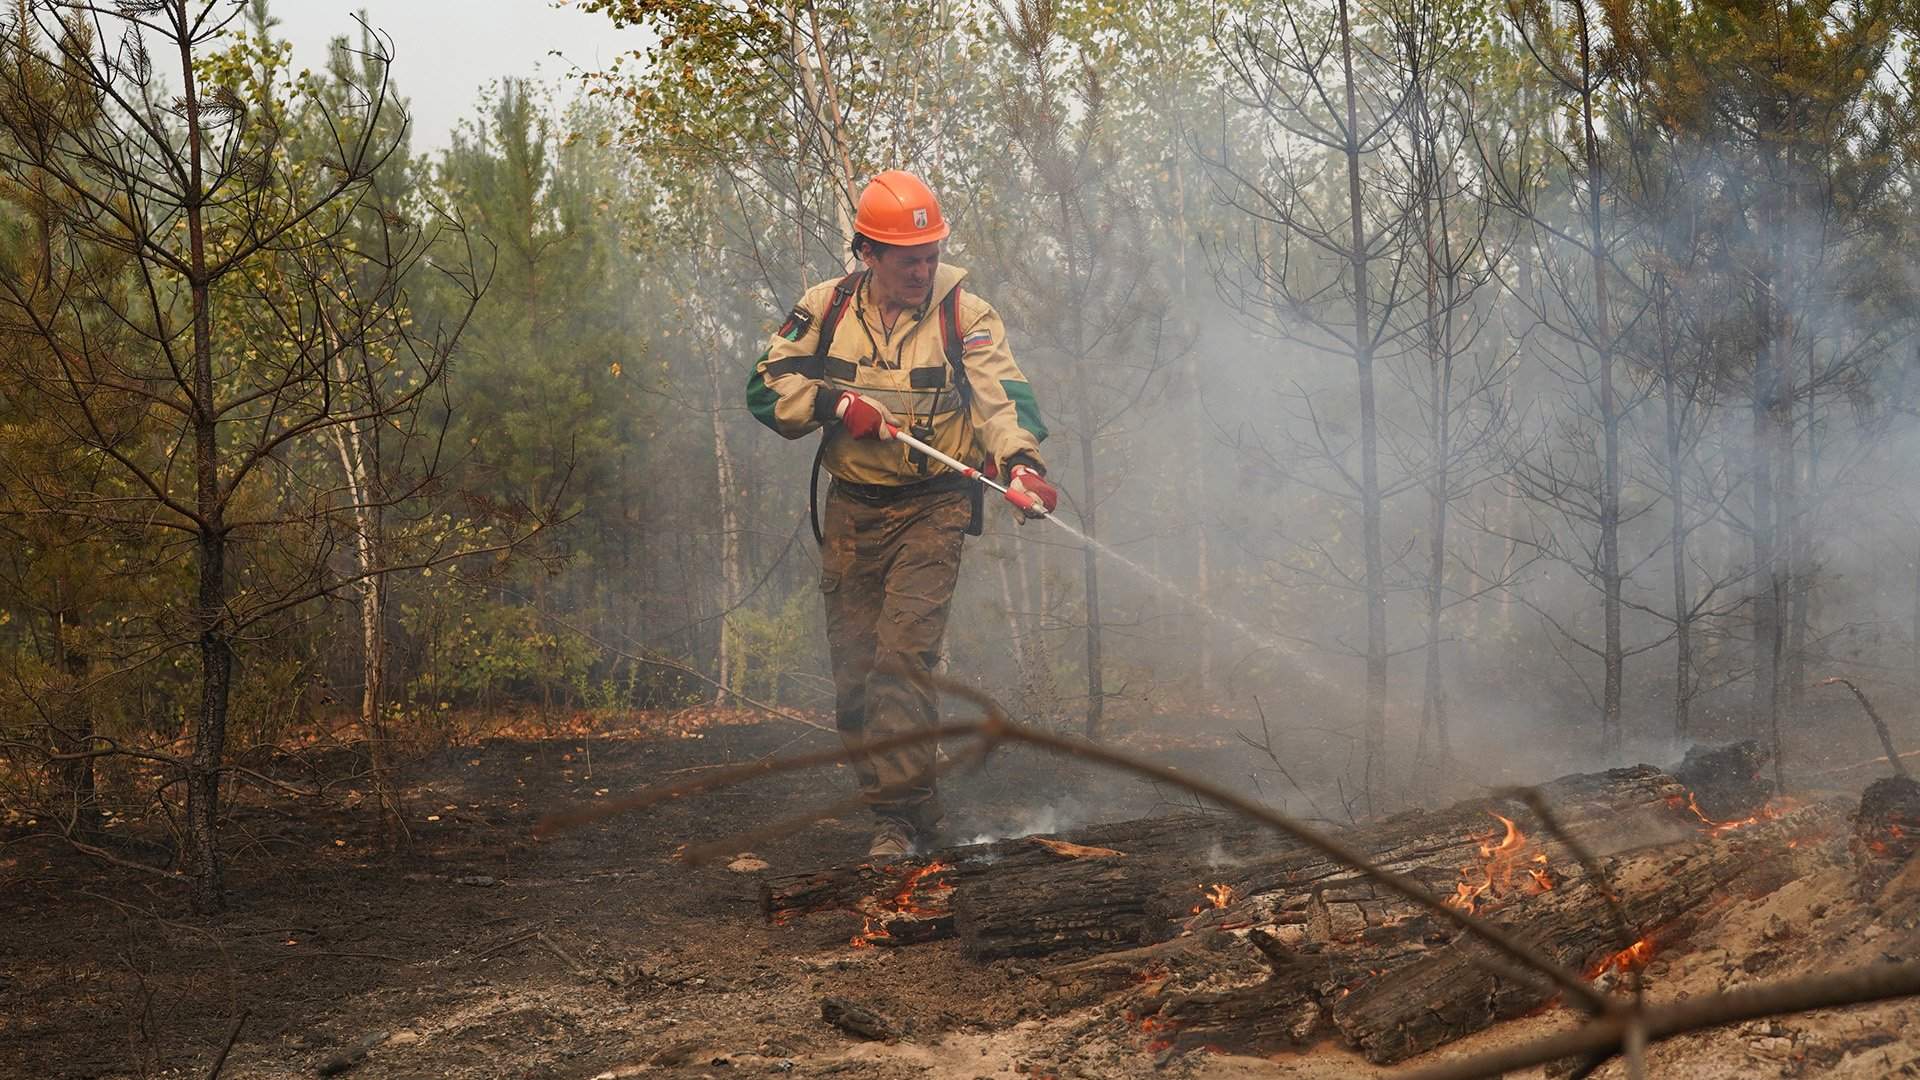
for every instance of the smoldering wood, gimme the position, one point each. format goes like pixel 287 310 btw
pixel 1042 910
pixel 1017 898
pixel 1072 905
pixel 787 896
pixel 1728 782
pixel 1395 991
pixel 1886 831
pixel 857 1019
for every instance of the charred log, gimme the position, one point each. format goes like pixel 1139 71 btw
pixel 1886 831
pixel 1025 910
pixel 1398 991
pixel 843 888
pixel 1078 904
pixel 1728 782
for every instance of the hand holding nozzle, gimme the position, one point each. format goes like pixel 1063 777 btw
pixel 863 417
pixel 1027 490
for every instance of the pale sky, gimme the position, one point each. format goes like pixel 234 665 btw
pixel 445 51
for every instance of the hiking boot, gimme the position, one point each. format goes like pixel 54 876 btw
pixel 891 842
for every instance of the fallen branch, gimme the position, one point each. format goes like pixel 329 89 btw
pixel 1606 1036
pixel 353 1055
pixel 566 957
pixel 233 1035
pixel 1879 725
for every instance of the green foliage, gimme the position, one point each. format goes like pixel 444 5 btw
pixel 496 653
pixel 773 644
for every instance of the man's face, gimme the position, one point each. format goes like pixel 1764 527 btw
pixel 904 275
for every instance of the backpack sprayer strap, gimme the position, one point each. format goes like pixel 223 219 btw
pixel 950 344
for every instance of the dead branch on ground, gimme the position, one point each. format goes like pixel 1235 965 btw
pixel 1606 1036
pixel 1879 725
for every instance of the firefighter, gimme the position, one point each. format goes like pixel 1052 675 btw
pixel 897 344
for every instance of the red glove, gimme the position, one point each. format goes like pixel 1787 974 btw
pixel 863 417
pixel 1028 482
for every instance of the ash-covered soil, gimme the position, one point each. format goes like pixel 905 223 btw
pixel 480 952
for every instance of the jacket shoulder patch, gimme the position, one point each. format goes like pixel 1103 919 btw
pixel 799 320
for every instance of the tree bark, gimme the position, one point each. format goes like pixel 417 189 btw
pixel 1613 655
pixel 1438 329
pixel 359 451
pixel 728 498
pixel 1374 724
pixel 215 650
pixel 1677 500
pixel 1194 476
pixel 74 730
pixel 1090 572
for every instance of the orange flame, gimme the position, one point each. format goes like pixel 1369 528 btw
pixel 1493 879
pixel 1632 957
pixel 906 900
pixel 1770 811
pixel 1216 896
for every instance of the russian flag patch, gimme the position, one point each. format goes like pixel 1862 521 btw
pixel 977 338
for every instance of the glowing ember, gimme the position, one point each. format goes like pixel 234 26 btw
pixel 1499 870
pixel 1632 957
pixel 910 901
pixel 1772 810
pixel 1217 896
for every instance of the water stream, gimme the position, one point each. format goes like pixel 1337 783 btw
pixel 1186 594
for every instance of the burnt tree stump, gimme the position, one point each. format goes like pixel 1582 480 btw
pixel 1886 831
pixel 1728 782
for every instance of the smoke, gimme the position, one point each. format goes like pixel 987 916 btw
pixel 1055 817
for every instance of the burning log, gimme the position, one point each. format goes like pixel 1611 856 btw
pixel 1113 887
pixel 1886 831
pixel 1395 992
pixel 1026 910
pixel 844 888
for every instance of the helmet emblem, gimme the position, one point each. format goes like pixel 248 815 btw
pixel 919 219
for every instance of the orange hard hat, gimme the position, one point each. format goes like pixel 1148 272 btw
pixel 897 207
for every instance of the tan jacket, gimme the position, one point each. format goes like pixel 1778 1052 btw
pixel 907 371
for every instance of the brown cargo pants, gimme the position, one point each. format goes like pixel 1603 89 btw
pixel 888 573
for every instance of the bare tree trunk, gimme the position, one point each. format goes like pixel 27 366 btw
pixel 358 452
pixel 73 728
pixel 1016 634
pixel 1915 643
pixel 822 101
pixel 1614 654
pixel 1800 556
pixel 1195 473
pixel 216 652
pixel 1375 716
pixel 1030 561
pixel 1437 329
pixel 1090 565
pixel 731 577
pixel 1769 400
pixel 1677 499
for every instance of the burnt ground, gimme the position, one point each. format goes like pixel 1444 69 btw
pixel 480 952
